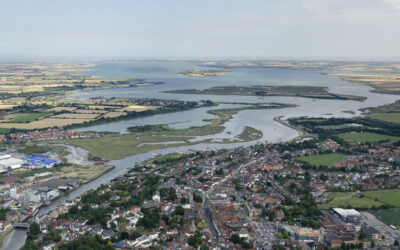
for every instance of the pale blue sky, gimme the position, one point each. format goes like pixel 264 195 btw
pixel 186 29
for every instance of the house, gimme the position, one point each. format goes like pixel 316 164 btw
pixel 372 233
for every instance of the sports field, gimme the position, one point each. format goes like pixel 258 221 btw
pixel 388 216
pixel 367 137
pixel 353 199
pixel 363 200
pixel 322 159
pixel 390 197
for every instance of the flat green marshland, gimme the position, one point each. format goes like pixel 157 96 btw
pixel 148 138
pixel 387 117
pixel 250 134
pixel 257 90
pixel 367 137
pixel 322 159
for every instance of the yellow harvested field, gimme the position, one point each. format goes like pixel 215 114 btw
pixel 59 109
pixel 6 118
pixel 14 100
pixel 383 83
pixel 138 108
pixel 44 123
pixel 20 88
pixel 113 114
pixel 101 107
pixel 75 116
pixel 90 111
pixel 6 106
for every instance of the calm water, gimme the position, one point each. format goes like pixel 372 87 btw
pixel 260 119
pixel 166 71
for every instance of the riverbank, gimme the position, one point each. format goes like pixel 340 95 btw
pixel 303 134
pixel 97 175
pixel 261 91
pixel 4 235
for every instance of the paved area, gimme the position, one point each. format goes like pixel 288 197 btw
pixel 390 233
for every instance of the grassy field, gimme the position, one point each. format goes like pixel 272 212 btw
pixel 387 117
pixel 322 159
pixel 364 200
pixel 4 130
pixel 355 200
pixel 82 172
pixel 28 117
pixel 117 146
pixel 388 216
pixel 173 157
pixel 391 197
pixel 367 137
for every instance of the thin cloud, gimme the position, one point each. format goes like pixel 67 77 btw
pixel 395 3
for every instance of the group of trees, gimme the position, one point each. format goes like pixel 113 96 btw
pixel 168 194
pixel 197 198
pixel 151 218
pixel 87 242
pixel 306 210
pixel 236 239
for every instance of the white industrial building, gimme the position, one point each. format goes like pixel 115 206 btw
pixel 345 213
pixel 9 162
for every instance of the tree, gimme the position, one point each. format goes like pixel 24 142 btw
pixel 204 248
pixel 179 210
pixel 195 240
pixel 362 236
pixel 135 235
pixel 396 243
pixel 86 242
pixel 201 225
pixel 34 228
pixel 235 238
pixel 197 198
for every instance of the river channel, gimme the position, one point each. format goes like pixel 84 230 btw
pixel 263 120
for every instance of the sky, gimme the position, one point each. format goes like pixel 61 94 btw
pixel 206 29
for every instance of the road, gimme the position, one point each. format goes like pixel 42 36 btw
pixel 206 203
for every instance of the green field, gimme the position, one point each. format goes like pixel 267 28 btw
pixel 173 157
pixel 355 200
pixel 391 197
pixel 322 159
pixel 4 130
pixel 367 137
pixel 388 216
pixel 387 117
pixel 28 117
pixel 363 200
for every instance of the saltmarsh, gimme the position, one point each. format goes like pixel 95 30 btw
pixel 118 146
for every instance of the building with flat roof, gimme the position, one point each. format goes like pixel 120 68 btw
pixel 345 213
